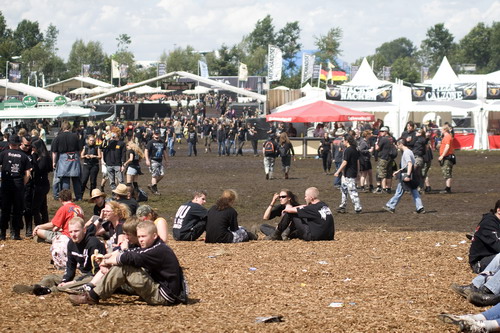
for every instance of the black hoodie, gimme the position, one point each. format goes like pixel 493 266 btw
pixel 486 240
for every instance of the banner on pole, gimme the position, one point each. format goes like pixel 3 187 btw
pixel 162 69
pixel 274 63
pixel 242 72
pixel 123 71
pixel 115 70
pixel 307 67
pixel 15 72
pixel 85 70
pixel 316 71
pixel 203 68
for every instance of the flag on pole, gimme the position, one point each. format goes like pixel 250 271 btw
pixel 274 63
pixel 123 71
pixel 85 70
pixel 307 67
pixel 14 72
pixel 115 70
pixel 333 75
pixel 242 72
pixel 203 68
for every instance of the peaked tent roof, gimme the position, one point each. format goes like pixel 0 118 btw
pixel 30 90
pixel 445 74
pixel 77 82
pixel 320 111
pixel 364 76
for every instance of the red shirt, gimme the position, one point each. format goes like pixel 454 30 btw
pixel 447 140
pixel 64 214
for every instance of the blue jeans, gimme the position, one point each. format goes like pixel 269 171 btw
pixel 490 276
pixel 393 202
pixel 338 180
pixel 221 146
pixel 77 186
pixel 56 184
pixel 170 146
pixel 229 144
pixel 493 313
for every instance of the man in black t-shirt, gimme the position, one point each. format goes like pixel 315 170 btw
pixel 16 171
pixel 349 171
pixel 316 219
pixel 385 146
pixel 156 154
pixel 191 218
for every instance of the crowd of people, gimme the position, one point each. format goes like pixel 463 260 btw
pixel 123 238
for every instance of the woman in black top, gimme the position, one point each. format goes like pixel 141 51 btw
pixel 222 222
pixel 90 155
pixel 133 157
pixel 282 232
pixel 286 151
pixel 42 166
pixel 325 151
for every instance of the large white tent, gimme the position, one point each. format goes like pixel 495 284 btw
pixel 77 82
pixel 16 88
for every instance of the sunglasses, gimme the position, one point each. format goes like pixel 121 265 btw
pixel 283 196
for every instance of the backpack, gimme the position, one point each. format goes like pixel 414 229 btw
pixel 269 149
pixel 283 150
pixel 141 195
pixel 393 153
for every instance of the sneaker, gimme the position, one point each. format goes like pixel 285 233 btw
pixel 41 290
pixel 252 236
pixel 286 175
pixel 156 192
pixel 387 190
pixel 389 209
pixel 267 176
pixel 421 211
pixel 466 323
pixel 341 210
pixel 82 299
pixel 150 187
pixel 378 190
pixel 427 189
pixel 358 211
pixel 445 192
pixel 464 291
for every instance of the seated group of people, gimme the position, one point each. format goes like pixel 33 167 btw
pixel 484 290
pixel 118 250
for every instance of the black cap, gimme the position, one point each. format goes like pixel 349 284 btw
pixel 15 139
pixel 157 131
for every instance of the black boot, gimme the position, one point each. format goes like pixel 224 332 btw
pixel 252 236
pixel 275 236
pixel 3 235
pixel 483 298
pixel 29 229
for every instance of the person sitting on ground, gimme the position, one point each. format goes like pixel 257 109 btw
pixel 191 218
pixel 145 212
pixel 316 219
pixel 484 259
pixel 152 271
pixel 99 199
pixel 112 218
pixel 81 248
pixel 59 224
pixel 222 222
pixel 281 232
pixel 123 195
pixel 487 321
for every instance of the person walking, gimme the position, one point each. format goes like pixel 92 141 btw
pixel 269 151
pixel 156 159
pixel 91 154
pixel 348 172
pixel 285 150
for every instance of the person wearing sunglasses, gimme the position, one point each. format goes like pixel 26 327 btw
pixel 284 198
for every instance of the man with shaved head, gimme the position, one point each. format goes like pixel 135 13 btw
pixel 314 221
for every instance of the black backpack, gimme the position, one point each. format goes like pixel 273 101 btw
pixel 269 149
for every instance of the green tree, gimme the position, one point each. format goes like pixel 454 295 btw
pixel 398 48
pixel 225 62
pixel 329 46
pixel 287 40
pixel 474 48
pixel 50 39
pixel 183 60
pixel 494 63
pixel 262 35
pixel 406 69
pixel 27 35
pixel 439 43
pixel 86 53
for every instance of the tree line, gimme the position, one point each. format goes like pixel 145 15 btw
pixel 38 52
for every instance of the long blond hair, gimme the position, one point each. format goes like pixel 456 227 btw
pixel 133 146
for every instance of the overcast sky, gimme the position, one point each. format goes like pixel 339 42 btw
pixel 160 25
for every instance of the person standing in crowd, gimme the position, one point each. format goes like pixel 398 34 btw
pixel 91 155
pixel 42 166
pixel 252 137
pixel 191 218
pixel 325 151
pixel 230 140
pixel 222 222
pixel 285 150
pixel 428 157
pixel 242 134
pixel 365 164
pixel 292 131
pixel 315 221
pixel 269 151
pixel 41 133
pixel 170 131
pixel 348 171
pixel 447 157
pixel 16 171
pixel 221 139
pixel 385 148
pixel 407 180
pixel 29 188
pixel 156 159
pixel 114 154
pixel 338 152
pixel 206 134
pixel 66 149
pixel 192 140
pixel 133 156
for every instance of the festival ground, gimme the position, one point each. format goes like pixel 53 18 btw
pixel 383 273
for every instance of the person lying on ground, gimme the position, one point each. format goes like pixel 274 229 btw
pixel 315 219
pixel 484 259
pixel 191 218
pixel 152 271
pixel 147 213
pixel 222 222
pixel 281 232
pixel 82 248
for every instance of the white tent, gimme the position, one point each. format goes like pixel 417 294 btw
pixel 281 88
pixel 29 90
pixel 81 91
pixel 48 112
pixel 76 82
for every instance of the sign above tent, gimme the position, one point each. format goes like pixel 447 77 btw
pixel 444 92
pixel 493 90
pixel 360 93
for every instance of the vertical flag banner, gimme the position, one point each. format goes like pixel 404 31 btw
pixel 424 73
pixel 242 72
pixel 85 70
pixel 15 72
pixel 386 73
pixel 203 68
pixel 123 71
pixel 316 71
pixel 115 70
pixel 354 70
pixel 162 69
pixel 274 63
pixel 307 67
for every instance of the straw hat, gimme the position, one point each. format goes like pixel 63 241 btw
pixel 121 189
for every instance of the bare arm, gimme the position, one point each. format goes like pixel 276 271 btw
pixel 267 213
